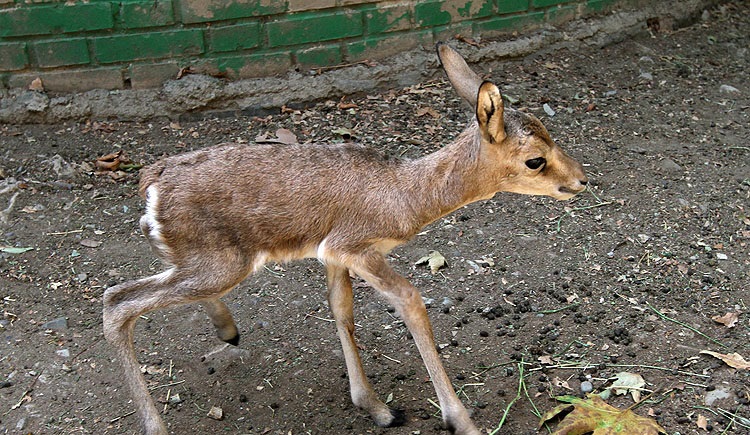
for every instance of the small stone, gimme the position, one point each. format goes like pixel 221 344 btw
pixel 82 277
pixel 64 353
pixel 646 76
pixel 59 324
pixel 587 387
pixel 670 165
pixel 5 384
pixel 174 399
pixel 216 413
pixel 720 256
pixel 21 424
pixel 728 89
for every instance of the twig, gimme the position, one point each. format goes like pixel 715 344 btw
pixel 25 393
pixel 171 384
pixel 115 420
pixel 559 309
pixel 389 358
pixel 665 317
pixel 572 210
pixel 64 233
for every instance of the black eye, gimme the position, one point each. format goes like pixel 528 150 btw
pixel 536 163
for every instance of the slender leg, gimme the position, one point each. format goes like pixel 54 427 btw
pixel 340 299
pixel 408 303
pixel 124 303
pixel 222 319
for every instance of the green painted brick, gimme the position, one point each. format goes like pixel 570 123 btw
pixel 246 65
pixel 201 11
pixel 235 37
pixel 388 18
pixel 563 13
pixel 60 18
pixel 436 13
pixel 510 6
pixel 320 56
pixel 387 45
pixel 126 48
pixel 600 5
pixel 149 13
pixel 512 22
pixel 61 52
pixel 314 27
pixel 13 56
pixel 545 3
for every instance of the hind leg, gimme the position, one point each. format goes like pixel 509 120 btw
pixel 124 303
pixel 222 319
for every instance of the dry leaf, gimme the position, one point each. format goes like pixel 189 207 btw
pixel 702 422
pixel 283 136
pixel 594 415
pixel 632 383
pixel 36 85
pixel 729 319
pixel 732 359
pixel 422 111
pixel 546 359
pixel 111 162
pixel 90 243
pixel 216 413
pixel 434 259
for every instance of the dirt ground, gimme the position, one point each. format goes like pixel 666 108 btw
pixel 624 278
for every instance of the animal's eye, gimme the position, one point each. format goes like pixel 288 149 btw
pixel 536 163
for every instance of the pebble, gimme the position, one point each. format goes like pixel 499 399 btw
pixel 216 413
pixel 59 324
pixel 728 89
pixel 587 387
pixel 669 165
pixel 720 256
pixel 64 353
pixel 714 395
pixel 21 424
pixel 82 277
pixel 647 76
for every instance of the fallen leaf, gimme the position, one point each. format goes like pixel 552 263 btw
pixel 466 40
pixel 14 250
pixel 343 105
pixel 283 136
pixel 344 132
pixel 732 359
pixel 546 359
pixel 632 383
pixel 729 319
pixel 422 111
pixel 702 422
pixel 111 162
pixel 36 85
pixel 90 243
pixel 560 383
pixel 594 415
pixel 434 259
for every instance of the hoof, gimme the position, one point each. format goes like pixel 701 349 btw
pixel 399 418
pixel 234 341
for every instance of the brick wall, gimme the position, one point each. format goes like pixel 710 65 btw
pixel 79 45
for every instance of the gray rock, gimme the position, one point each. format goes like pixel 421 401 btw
pixel 63 353
pixel 718 394
pixel 587 387
pixel 59 324
pixel 669 165
pixel 728 89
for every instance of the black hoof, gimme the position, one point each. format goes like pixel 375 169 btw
pixel 399 418
pixel 234 341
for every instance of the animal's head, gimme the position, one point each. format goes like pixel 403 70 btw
pixel 516 145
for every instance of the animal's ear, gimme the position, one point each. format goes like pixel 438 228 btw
pixel 462 78
pixel 490 113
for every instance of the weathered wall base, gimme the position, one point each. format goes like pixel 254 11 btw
pixel 201 95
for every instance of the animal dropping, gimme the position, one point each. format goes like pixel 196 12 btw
pixel 214 219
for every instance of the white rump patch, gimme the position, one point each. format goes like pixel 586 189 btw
pixel 150 219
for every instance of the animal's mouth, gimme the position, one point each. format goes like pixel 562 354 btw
pixel 565 192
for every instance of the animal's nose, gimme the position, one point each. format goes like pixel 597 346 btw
pixel 584 181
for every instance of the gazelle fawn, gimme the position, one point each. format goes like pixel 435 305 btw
pixel 216 215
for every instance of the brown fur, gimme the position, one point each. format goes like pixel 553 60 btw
pixel 217 214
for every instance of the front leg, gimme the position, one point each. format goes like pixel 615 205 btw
pixel 340 299
pixel 407 301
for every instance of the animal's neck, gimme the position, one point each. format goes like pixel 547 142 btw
pixel 447 179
